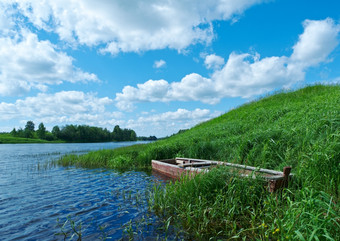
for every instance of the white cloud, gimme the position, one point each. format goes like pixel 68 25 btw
pixel 150 91
pixel 133 25
pixel 26 63
pixel 6 19
pixel 243 75
pixel 170 122
pixel 316 43
pixel 159 64
pixel 194 87
pixel 213 61
pixel 191 87
pixel 62 107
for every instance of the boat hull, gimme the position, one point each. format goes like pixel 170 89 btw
pixel 176 168
pixel 174 171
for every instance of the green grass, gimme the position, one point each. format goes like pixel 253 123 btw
pixel 217 205
pixel 300 129
pixel 121 158
pixel 6 138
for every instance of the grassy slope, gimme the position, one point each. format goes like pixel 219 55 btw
pixel 301 129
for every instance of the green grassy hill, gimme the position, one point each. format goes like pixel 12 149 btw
pixel 300 129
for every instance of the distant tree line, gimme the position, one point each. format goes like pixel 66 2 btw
pixel 145 138
pixel 29 132
pixel 75 133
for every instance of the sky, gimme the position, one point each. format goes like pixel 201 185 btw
pixel 157 66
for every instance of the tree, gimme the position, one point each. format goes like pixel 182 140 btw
pixel 41 132
pixel 29 129
pixel 56 131
pixel 14 132
pixel 69 133
pixel 133 136
pixel 49 136
pixel 117 134
pixel 20 132
pixel 29 126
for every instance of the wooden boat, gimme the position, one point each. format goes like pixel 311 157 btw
pixel 175 168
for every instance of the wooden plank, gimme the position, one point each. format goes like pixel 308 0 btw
pixel 234 165
pixel 173 171
pixel 196 164
pixel 251 168
pixel 180 161
pixel 193 160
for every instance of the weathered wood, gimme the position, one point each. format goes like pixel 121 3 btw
pixel 180 162
pixel 200 164
pixel 175 168
pixel 251 168
pixel 275 184
pixel 286 172
pixel 233 165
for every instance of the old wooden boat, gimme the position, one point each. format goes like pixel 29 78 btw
pixel 175 168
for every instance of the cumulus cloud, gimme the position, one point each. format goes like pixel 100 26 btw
pixel 159 64
pixel 191 87
pixel 126 26
pixel 170 122
pixel 243 75
pixel 26 63
pixel 213 61
pixel 62 107
pixel 316 43
pixel 150 91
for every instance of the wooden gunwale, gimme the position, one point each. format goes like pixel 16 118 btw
pixel 175 168
pixel 235 165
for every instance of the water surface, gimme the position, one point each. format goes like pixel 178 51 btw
pixel 36 198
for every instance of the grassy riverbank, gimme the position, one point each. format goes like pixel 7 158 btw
pixel 6 138
pixel 300 129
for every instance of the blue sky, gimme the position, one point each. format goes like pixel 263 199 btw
pixel 157 66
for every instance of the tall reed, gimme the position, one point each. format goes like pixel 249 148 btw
pixel 219 205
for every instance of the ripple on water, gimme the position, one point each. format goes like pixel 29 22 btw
pixel 34 195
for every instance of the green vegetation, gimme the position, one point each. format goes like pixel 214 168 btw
pixel 300 129
pixel 121 158
pixel 68 133
pixel 84 133
pixel 221 206
pixel 6 138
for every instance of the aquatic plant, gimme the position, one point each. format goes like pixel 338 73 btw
pixel 70 228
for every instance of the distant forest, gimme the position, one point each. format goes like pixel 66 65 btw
pixel 77 133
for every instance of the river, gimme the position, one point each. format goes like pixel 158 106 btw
pixel 40 201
